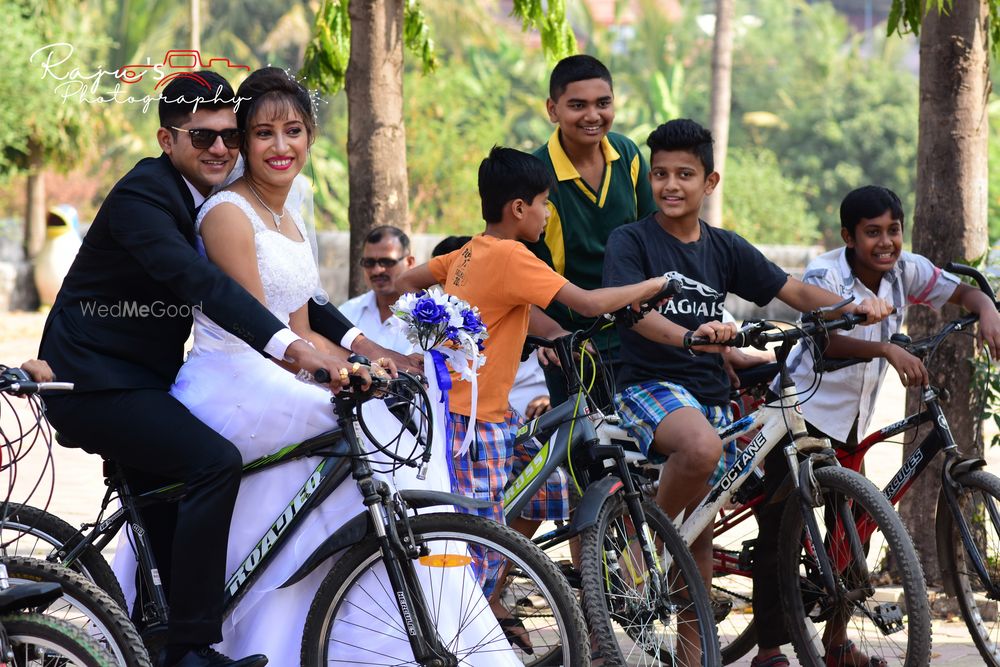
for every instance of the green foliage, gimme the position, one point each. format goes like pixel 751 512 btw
pixel 763 204
pixel 558 40
pixel 33 116
pixel 906 16
pixel 329 50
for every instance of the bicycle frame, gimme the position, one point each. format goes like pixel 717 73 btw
pixel 344 456
pixel 940 439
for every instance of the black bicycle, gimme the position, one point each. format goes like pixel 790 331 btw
pixel 643 595
pixel 394 556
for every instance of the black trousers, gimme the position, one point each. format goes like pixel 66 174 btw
pixel 157 441
pixel 770 621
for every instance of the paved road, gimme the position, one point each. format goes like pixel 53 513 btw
pixel 81 486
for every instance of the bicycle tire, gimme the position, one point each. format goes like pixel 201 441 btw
pixel 41 641
pixel 847 493
pixel 734 584
pixel 25 529
pixel 84 605
pixel 979 490
pixel 328 622
pixel 651 627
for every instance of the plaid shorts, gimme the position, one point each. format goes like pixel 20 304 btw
pixel 493 459
pixel 643 406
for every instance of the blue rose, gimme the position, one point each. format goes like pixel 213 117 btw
pixel 451 333
pixel 426 311
pixel 471 321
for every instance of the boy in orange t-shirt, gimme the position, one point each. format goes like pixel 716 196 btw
pixel 499 275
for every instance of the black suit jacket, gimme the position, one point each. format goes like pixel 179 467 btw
pixel 124 311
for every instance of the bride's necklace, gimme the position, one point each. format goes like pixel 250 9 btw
pixel 277 218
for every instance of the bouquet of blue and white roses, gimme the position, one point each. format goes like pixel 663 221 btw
pixel 451 333
pixel 435 320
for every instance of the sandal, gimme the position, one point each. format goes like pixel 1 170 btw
pixel 837 656
pixel 510 625
pixel 779 660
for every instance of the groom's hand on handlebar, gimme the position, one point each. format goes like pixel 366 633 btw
pixel 38 370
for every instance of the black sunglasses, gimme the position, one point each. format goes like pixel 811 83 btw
pixel 202 138
pixel 384 262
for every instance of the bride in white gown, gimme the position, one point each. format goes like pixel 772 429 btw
pixel 255 234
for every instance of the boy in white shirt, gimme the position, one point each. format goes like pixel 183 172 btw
pixel 871 264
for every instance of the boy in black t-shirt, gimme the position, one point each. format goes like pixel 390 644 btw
pixel 673 399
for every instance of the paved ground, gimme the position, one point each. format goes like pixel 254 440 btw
pixel 80 485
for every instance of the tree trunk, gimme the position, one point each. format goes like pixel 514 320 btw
pixel 722 76
pixel 196 25
pixel 376 138
pixel 34 228
pixel 949 223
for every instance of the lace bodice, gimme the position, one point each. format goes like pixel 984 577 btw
pixel 287 271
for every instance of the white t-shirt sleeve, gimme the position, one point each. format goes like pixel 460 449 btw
pixel 925 283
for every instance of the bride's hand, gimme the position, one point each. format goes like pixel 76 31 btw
pixel 344 373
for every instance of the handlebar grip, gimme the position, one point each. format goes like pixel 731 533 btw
pixel 55 386
pixel 671 289
pixel 963 270
pixel 322 376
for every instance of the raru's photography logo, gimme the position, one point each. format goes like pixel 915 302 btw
pixel 177 63
pixel 93 86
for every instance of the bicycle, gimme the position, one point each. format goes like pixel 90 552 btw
pixel 33 626
pixel 968 507
pixel 822 546
pixel 30 639
pixel 421 553
pixel 627 542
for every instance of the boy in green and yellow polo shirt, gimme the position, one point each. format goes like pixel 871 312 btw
pixel 602 184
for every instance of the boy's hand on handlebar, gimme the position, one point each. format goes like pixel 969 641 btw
pixel 38 370
pixel 716 332
pixel 912 372
pixel 989 332
pixel 653 287
pixel 547 355
pixel 874 309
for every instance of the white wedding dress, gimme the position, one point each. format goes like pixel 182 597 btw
pixel 260 408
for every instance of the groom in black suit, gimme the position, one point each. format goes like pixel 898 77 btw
pixel 118 328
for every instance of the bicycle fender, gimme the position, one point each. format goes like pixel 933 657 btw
pixel 963 466
pixel 346 536
pixel 593 499
pixel 942 536
pixel 29 595
pixel 417 498
pixel 941 533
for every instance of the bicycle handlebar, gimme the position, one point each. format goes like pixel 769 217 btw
pixel 625 314
pixel 760 333
pixel 16 382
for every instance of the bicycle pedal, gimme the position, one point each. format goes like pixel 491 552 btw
pixel 747 555
pixel 888 617
pixel 721 608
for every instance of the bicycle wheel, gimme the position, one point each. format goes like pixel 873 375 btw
pixel 617 594
pixel 979 499
pixel 868 577
pixel 735 532
pixel 86 607
pixel 32 532
pixel 342 625
pixel 43 641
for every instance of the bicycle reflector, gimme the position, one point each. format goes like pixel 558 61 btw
pixel 445 560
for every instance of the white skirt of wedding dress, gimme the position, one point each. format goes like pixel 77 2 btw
pixel 260 408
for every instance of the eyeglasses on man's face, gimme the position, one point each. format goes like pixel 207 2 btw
pixel 202 138
pixel 384 262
